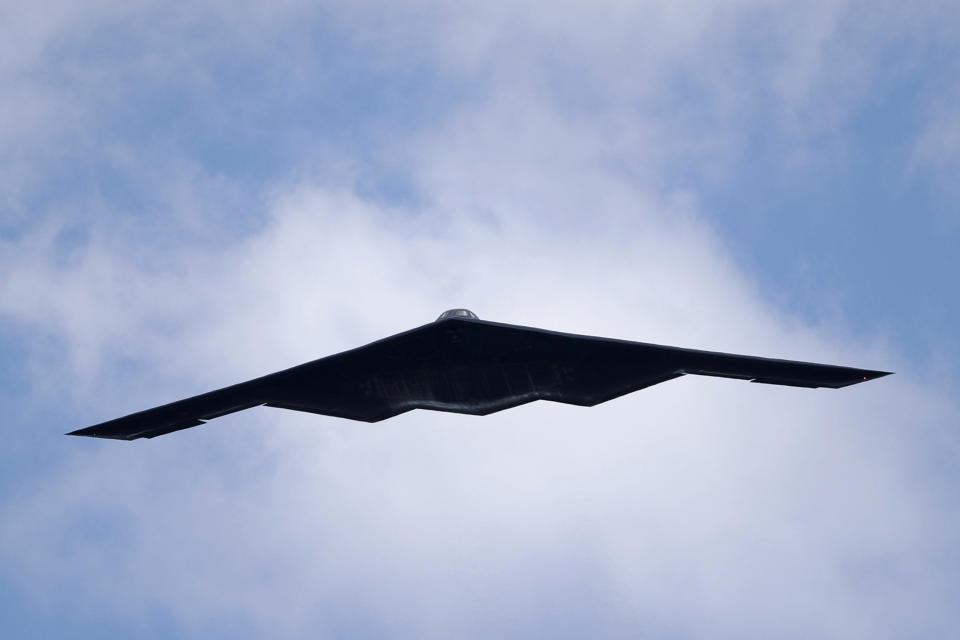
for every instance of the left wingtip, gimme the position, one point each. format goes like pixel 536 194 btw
pixel 89 432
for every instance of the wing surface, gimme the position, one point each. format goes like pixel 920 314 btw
pixel 471 366
pixel 336 385
pixel 190 412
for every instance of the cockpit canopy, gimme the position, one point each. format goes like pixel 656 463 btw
pixel 458 313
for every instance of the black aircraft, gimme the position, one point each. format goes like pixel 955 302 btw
pixel 466 365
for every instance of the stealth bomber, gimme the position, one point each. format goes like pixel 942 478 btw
pixel 462 364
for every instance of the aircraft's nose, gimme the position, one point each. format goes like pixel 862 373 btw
pixel 457 313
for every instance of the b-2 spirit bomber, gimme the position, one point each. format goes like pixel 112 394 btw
pixel 462 364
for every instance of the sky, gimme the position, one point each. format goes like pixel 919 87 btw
pixel 194 195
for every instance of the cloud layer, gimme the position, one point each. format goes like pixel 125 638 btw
pixel 698 507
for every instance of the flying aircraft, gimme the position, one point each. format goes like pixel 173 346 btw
pixel 462 364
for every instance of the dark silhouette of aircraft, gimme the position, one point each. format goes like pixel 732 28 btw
pixel 462 364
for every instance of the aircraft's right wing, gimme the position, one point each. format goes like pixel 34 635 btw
pixel 792 373
pixel 588 370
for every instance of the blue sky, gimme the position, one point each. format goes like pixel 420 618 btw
pixel 195 196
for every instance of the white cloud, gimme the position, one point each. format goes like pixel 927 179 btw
pixel 698 507
pixel 694 507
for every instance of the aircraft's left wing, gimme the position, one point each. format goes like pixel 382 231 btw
pixel 336 385
pixel 190 412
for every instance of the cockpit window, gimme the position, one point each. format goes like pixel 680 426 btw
pixel 458 313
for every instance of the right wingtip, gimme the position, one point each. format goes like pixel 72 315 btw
pixel 867 375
